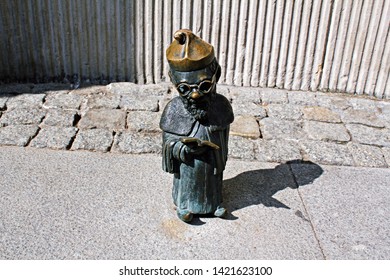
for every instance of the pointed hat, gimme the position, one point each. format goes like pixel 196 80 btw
pixel 188 52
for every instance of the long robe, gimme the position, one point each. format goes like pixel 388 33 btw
pixel 197 183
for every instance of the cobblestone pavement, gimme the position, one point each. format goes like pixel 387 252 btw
pixel 271 125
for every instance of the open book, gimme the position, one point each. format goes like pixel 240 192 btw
pixel 192 141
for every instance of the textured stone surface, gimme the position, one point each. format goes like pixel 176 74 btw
pixel 123 88
pixel 321 114
pixel 139 103
pixel 63 101
pixel 137 143
pixel 60 118
pixel 284 111
pixel 270 96
pixel 245 126
pixel 143 121
pixel 245 95
pixel 17 135
pixel 91 90
pixel 103 102
pixel 250 109
pixel 333 100
pixel 25 101
pixel 22 116
pixel 369 135
pixel 83 205
pixel 326 131
pixel 349 210
pixel 369 118
pixel 369 156
pixel 280 129
pixel 277 150
pixel 326 153
pixel 154 89
pixel 241 148
pixel 386 154
pixel 302 98
pixel 365 103
pixel 93 140
pixel 103 118
pixel 54 137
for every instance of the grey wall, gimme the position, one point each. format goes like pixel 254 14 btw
pixel 341 46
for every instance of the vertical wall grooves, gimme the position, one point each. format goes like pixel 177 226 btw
pixel 339 45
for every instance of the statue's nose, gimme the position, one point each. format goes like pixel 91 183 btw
pixel 195 95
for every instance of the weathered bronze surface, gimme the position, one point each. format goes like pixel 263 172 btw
pixel 195 128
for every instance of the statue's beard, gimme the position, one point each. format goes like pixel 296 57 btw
pixel 197 109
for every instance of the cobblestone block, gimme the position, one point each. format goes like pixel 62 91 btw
pixel 369 156
pixel 369 135
pixel 139 103
pixel 137 143
pixel 103 101
pixel 245 95
pixel 326 153
pixel 245 126
pixel 272 128
pixel 386 154
pixel 143 121
pixel 321 114
pixel 103 118
pixel 284 111
pixel 271 96
pixel 54 137
pixel 326 131
pixel 154 89
pixel 64 118
pixel 241 148
pixel 277 150
pixel 302 98
pixel 22 116
pixel 91 90
pixel 25 101
pixel 225 91
pixel 123 88
pixel 332 101
pixel 63 101
pixel 17 135
pixel 93 140
pixel 249 109
pixel 362 103
pixel 368 118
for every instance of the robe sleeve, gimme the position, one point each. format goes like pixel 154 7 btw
pixel 173 153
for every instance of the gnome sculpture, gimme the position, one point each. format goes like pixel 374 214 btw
pixel 195 128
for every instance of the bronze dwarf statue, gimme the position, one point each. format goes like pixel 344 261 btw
pixel 195 128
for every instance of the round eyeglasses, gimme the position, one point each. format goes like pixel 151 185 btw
pixel 203 87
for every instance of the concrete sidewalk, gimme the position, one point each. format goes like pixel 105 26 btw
pixel 84 205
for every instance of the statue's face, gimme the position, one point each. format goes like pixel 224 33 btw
pixel 195 89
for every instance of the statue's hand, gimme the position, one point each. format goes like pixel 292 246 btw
pixel 196 150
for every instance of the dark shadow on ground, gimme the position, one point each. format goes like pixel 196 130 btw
pixel 259 186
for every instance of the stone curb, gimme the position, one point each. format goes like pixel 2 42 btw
pixel 271 125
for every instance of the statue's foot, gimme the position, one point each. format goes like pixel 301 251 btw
pixel 184 215
pixel 220 212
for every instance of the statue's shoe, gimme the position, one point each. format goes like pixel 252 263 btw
pixel 185 215
pixel 220 212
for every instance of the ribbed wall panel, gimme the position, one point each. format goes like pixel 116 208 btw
pixel 340 45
